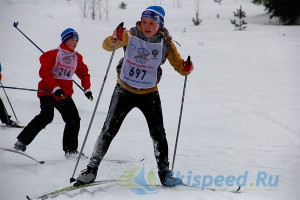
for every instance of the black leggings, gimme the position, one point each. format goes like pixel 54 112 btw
pixel 70 116
pixel 121 104
pixel 4 117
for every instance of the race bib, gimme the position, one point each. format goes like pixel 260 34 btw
pixel 65 66
pixel 141 60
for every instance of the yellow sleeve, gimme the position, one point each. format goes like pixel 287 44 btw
pixel 108 45
pixel 175 59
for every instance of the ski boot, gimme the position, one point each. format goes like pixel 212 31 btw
pixel 167 180
pixel 20 146
pixel 86 176
pixel 73 155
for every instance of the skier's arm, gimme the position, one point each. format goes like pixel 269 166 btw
pixel 47 61
pixel 108 43
pixel 83 73
pixel 175 59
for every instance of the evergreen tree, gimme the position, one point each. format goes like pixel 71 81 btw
pixel 288 11
pixel 240 24
pixel 218 1
pixel 122 5
pixel 196 20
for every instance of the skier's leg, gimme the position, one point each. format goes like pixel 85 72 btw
pixel 38 122
pixel 3 114
pixel 120 106
pixel 70 115
pixel 151 108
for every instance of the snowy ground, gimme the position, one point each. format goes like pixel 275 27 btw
pixel 241 112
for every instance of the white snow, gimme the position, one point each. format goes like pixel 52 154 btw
pixel 241 111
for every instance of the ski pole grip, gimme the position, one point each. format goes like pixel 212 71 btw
pixel 120 25
pixel 16 24
pixel 188 60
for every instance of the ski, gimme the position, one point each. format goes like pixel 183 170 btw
pixel 54 194
pixel 238 190
pixel 122 161
pixel 65 190
pixel 233 190
pixel 8 126
pixel 21 153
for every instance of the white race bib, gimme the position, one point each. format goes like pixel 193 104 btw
pixel 65 66
pixel 141 60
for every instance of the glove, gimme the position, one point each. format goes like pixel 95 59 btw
pixel 188 66
pixel 118 33
pixel 58 92
pixel 0 76
pixel 88 94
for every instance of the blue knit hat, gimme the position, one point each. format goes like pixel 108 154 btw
pixel 68 34
pixel 156 13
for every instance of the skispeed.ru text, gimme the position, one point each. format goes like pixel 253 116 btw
pixel 261 179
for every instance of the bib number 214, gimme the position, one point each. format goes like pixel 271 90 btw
pixel 64 72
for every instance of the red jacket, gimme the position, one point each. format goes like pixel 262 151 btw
pixel 49 82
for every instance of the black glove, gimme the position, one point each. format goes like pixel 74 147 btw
pixel 58 92
pixel 88 94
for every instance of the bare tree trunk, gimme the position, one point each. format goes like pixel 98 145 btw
pixel 100 6
pixel 93 5
pixel 106 9
pixel 83 5
pixel 179 3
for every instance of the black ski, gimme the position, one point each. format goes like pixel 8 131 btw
pixel 16 126
pixel 21 153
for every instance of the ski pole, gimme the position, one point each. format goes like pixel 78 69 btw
pixel 8 98
pixel 16 26
pixel 9 103
pixel 28 89
pixel 72 179
pixel 180 114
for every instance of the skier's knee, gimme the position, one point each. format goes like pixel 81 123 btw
pixel 158 134
pixel 47 119
pixel 74 121
pixel 106 135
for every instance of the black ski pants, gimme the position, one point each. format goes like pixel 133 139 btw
pixel 122 102
pixel 4 117
pixel 70 116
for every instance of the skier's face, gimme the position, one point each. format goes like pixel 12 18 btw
pixel 149 27
pixel 72 43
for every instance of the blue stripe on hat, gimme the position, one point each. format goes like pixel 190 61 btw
pixel 156 13
pixel 67 34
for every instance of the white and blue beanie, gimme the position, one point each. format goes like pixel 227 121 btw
pixel 68 34
pixel 156 13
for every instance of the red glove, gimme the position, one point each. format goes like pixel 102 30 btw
pixel 118 33
pixel 0 76
pixel 188 67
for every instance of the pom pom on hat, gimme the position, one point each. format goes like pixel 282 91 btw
pixel 67 34
pixel 156 13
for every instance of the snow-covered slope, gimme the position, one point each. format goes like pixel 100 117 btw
pixel 240 117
